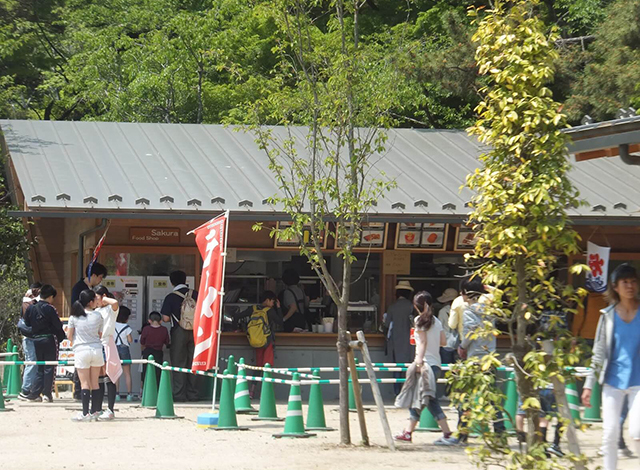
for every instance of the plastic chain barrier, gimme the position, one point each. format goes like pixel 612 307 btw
pixel 279 371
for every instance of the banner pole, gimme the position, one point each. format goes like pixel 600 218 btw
pixel 220 312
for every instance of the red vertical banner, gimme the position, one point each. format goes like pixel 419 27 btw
pixel 211 242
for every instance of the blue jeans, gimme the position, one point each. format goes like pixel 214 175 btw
pixel 30 372
pixel 433 405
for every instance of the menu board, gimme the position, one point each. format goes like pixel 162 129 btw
pixel 294 241
pixel 373 236
pixel 465 239
pixel 425 236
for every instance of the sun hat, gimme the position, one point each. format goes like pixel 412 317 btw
pixel 448 295
pixel 404 285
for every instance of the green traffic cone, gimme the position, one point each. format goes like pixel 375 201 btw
pixel 573 399
pixel 511 403
pixel 427 422
pixel 232 368
pixel 242 400
pixel 164 405
pixel 268 411
pixel 294 424
pixel 227 415
pixel 315 414
pixel 7 369
pixel 2 407
pixel 150 390
pixel 352 397
pixel 593 414
pixel 15 383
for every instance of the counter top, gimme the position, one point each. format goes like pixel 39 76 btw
pixel 302 339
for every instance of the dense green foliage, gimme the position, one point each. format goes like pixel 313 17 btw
pixel 202 60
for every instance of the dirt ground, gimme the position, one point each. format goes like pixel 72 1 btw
pixel 39 436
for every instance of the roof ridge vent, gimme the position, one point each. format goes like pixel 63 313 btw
pixel 90 200
pixel 115 197
pixel 166 198
pixel 421 203
pixel 599 208
pixel 218 200
pixel 142 201
pixel 449 206
pixel 194 202
pixel 398 205
pixel 245 203
pixel 38 198
pixel 620 205
pixel 63 197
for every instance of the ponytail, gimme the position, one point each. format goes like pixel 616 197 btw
pixel 422 302
pixel 78 307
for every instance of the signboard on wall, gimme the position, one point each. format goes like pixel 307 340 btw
pixel 397 262
pixel 422 236
pixel 157 235
pixel 373 236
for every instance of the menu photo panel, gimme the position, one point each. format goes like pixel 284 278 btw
pixel 422 236
pixel 294 240
pixel 466 239
pixel 373 236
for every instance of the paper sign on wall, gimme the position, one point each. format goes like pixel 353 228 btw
pixel 598 261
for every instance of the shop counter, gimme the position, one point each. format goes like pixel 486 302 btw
pixel 303 340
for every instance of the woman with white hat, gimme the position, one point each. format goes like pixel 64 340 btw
pixel 398 320
pixel 448 352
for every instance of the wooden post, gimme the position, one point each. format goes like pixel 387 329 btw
pixel 358 396
pixel 376 391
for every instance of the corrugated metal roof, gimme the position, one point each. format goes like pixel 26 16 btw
pixel 190 168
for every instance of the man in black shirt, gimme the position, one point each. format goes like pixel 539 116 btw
pixel 182 343
pixel 98 272
pixel 46 327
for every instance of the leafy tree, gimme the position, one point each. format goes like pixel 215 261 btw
pixel 520 215
pixel 341 87
pixel 612 72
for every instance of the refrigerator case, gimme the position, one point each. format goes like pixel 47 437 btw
pixel 129 290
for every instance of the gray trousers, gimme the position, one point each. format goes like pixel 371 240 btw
pixel 181 352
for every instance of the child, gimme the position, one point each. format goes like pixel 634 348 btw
pixel 153 338
pixel 123 340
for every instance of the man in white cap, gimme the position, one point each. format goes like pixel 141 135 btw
pixel 398 320
pixel 448 352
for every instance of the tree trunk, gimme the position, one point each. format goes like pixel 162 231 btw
pixel 520 349
pixel 343 347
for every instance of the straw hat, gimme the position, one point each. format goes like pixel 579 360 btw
pixel 404 285
pixel 448 295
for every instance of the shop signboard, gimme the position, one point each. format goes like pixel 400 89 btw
pixel 466 239
pixel 422 236
pixel 155 235
pixel 373 236
pixel 294 241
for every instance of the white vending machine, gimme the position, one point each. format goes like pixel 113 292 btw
pixel 158 287
pixel 129 290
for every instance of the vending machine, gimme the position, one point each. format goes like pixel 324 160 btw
pixel 158 287
pixel 129 290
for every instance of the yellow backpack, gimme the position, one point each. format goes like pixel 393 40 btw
pixel 258 330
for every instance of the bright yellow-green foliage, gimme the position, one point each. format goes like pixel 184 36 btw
pixel 520 215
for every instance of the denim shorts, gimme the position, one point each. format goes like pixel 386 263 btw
pixel 124 352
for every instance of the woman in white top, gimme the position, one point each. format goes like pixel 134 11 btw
pixel 112 370
pixel 84 332
pixel 429 336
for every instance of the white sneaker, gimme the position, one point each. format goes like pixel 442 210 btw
pixel 625 453
pixel 107 415
pixel 446 441
pixel 81 417
pixel 94 416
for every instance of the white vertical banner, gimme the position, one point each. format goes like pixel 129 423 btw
pixel 598 262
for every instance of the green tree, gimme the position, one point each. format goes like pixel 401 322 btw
pixel 520 215
pixel 341 87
